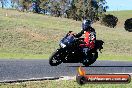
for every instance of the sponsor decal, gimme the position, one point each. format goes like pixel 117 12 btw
pixel 83 78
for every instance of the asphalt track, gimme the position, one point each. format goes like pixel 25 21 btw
pixel 26 69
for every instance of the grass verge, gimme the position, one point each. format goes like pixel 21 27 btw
pixel 22 56
pixel 36 36
pixel 115 57
pixel 15 56
pixel 62 84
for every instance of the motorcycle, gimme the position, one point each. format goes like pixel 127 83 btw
pixel 72 52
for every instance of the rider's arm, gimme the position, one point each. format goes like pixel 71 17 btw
pixel 79 34
pixel 92 29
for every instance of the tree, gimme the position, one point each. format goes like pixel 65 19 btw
pixel 71 11
pixel 13 2
pixel 75 9
pixel 25 4
pixel 3 3
pixel 109 20
pixel 128 25
pixel 91 9
pixel 63 6
pixel 55 8
pixel 35 6
pixel 44 5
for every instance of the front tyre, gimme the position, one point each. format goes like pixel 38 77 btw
pixel 55 59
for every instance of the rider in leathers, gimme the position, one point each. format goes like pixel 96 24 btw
pixel 89 36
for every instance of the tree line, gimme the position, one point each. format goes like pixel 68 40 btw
pixel 72 9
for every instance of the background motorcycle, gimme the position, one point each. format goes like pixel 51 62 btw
pixel 73 53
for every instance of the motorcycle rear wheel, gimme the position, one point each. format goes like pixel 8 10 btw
pixel 55 59
pixel 92 57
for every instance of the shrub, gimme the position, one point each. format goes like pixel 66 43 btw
pixel 109 20
pixel 128 25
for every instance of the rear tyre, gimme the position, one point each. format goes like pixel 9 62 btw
pixel 55 59
pixel 92 57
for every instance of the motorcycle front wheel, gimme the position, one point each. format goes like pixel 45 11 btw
pixel 55 59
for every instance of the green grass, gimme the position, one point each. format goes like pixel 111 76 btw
pixel 115 57
pixel 36 36
pixel 62 84
pixel 22 56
